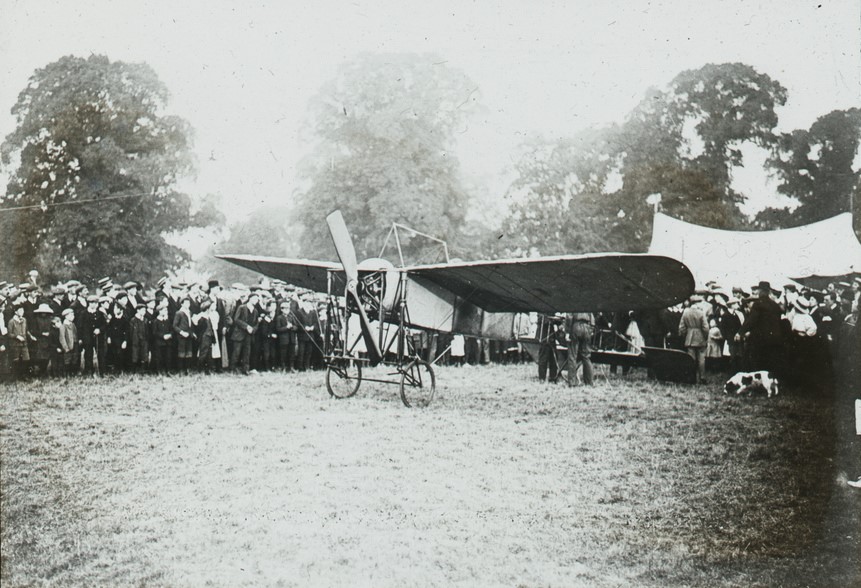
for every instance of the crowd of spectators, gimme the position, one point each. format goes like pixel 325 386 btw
pixel 69 328
pixel 798 333
pixel 175 327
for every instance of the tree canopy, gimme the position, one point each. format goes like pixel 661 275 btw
pixel 264 232
pixel 817 168
pixel 94 170
pixel 384 130
pixel 596 190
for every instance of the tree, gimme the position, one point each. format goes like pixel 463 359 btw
pixel 727 104
pixel 818 169
pixel 557 196
pixel 385 136
pixel 593 192
pixel 95 164
pixel 262 233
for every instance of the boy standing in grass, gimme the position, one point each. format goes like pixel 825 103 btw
pixel 162 334
pixel 139 339
pixel 19 355
pixel 69 342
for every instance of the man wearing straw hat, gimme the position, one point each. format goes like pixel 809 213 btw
pixel 694 330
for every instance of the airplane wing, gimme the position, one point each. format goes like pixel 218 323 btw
pixel 304 273
pixel 572 283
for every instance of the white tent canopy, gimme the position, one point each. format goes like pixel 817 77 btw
pixel 742 258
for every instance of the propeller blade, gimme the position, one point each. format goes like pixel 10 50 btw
pixel 343 245
pixel 374 354
pixel 347 255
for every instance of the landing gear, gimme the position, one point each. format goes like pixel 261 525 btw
pixel 343 377
pixel 418 384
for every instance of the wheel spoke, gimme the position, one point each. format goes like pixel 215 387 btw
pixel 343 377
pixel 418 384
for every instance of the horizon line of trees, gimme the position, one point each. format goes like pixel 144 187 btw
pixel 383 138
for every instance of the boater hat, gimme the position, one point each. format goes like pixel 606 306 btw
pixel 802 304
pixel 43 309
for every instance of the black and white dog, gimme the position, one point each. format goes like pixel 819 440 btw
pixel 751 382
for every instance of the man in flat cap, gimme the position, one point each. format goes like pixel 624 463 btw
pixel 58 299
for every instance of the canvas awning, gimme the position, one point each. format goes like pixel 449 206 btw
pixel 743 258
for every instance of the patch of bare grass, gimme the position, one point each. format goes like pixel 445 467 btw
pixel 265 480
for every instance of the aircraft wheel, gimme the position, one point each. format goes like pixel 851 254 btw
pixel 343 378
pixel 418 384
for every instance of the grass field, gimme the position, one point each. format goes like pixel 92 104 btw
pixel 502 481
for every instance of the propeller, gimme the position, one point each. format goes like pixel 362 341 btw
pixel 347 255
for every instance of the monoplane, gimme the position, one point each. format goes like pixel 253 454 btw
pixel 489 299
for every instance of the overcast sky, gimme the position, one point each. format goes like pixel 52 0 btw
pixel 243 73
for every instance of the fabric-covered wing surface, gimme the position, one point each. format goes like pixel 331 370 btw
pixel 304 273
pixel 599 282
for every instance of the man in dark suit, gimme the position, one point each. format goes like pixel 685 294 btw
pixel 245 320
pixel 764 333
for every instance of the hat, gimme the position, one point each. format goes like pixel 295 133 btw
pixel 844 284
pixel 238 286
pixel 25 286
pixel 103 299
pixel 802 304
pixel 43 309
pixel 131 284
pixel 733 301
pixel 92 298
pixel 122 294
pixel 57 290
pixel 763 285
pixel 161 282
pixel 67 312
pixel 213 283
pixel 181 285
